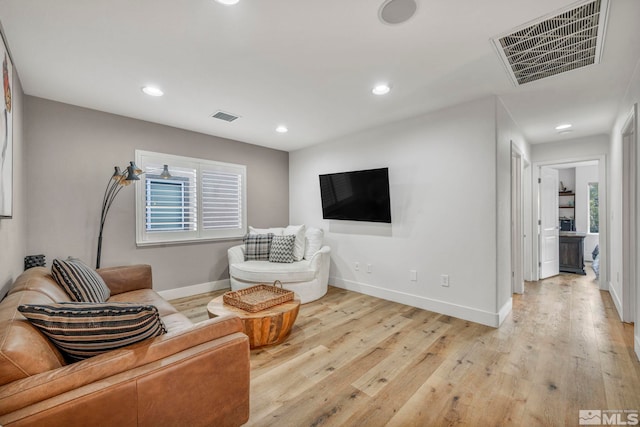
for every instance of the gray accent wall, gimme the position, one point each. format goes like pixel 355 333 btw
pixel 71 153
pixel 13 231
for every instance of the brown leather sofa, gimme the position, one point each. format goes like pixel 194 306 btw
pixel 194 375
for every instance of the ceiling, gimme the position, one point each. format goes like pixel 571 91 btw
pixel 309 65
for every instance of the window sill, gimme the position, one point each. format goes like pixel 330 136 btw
pixel 188 241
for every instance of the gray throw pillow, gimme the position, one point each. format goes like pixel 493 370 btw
pixel 282 248
pixel 257 247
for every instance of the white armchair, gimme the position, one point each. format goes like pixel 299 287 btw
pixel 308 278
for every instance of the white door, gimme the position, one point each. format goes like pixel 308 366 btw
pixel 549 225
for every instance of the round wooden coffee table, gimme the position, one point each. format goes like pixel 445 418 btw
pixel 266 327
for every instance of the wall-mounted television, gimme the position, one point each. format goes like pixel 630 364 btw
pixel 357 196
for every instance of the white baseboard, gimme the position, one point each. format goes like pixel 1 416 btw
pixel 616 299
pixel 449 309
pixel 505 311
pixel 201 288
pixel 636 346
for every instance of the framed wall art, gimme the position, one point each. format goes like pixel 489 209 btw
pixel 6 135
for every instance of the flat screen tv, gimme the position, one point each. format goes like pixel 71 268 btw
pixel 356 196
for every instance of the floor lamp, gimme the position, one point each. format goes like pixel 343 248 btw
pixel 117 182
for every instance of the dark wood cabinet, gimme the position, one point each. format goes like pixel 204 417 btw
pixel 572 252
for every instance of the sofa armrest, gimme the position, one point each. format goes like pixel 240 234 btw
pixel 236 254
pixel 127 278
pixel 98 369
pixel 320 258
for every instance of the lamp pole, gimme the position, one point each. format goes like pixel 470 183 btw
pixel 117 182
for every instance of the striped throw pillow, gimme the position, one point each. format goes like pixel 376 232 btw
pixel 282 248
pixel 82 330
pixel 80 281
pixel 257 247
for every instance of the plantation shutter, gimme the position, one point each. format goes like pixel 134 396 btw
pixel 221 199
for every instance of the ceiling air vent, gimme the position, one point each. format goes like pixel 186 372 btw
pixel 567 40
pixel 224 116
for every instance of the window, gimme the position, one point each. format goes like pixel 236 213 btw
pixel 594 220
pixel 167 205
pixel 202 200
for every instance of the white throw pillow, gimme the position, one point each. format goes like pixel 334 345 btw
pixel 298 248
pixel 276 231
pixel 313 242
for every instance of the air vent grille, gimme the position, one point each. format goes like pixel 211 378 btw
pixel 564 42
pixel 227 117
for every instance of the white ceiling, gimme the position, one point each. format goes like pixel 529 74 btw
pixel 307 64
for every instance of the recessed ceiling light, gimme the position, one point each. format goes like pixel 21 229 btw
pixel 228 2
pixel 564 126
pixel 282 129
pixel 381 89
pixel 152 91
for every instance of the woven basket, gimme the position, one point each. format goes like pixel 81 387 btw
pixel 259 297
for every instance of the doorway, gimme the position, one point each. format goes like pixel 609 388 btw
pixel 541 205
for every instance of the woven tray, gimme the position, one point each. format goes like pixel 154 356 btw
pixel 259 297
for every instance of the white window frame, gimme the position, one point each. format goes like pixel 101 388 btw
pixel 159 237
pixel 589 208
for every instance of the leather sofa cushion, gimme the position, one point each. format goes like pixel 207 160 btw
pixel 176 322
pixel 146 297
pixel 24 351
pixel 38 279
pixel 264 271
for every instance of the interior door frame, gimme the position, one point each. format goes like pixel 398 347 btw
pixel 604 220
pixel 517 220
pixel 629 216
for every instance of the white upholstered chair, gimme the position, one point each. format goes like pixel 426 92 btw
pixel 308 277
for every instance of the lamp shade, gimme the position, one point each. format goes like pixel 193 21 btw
pixel 165 173
pixel 131 173
pixel 117 174
pixel 134 168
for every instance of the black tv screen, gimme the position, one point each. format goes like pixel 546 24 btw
pixel 356 196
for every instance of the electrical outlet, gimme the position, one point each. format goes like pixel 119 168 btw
pixel 369 268
pixel 356 266
pixel 444 280
pixel 413 275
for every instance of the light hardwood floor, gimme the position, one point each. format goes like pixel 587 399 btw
pixel 356 360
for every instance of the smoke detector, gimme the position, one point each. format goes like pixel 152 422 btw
pixel 397 11
pixel 569 39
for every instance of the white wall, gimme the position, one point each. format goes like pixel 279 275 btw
pixel 584 175
pixel 13 232
pixel 631 98
pixel 568 178
pixel 590 147
pixel 442 171
pixel 509 138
